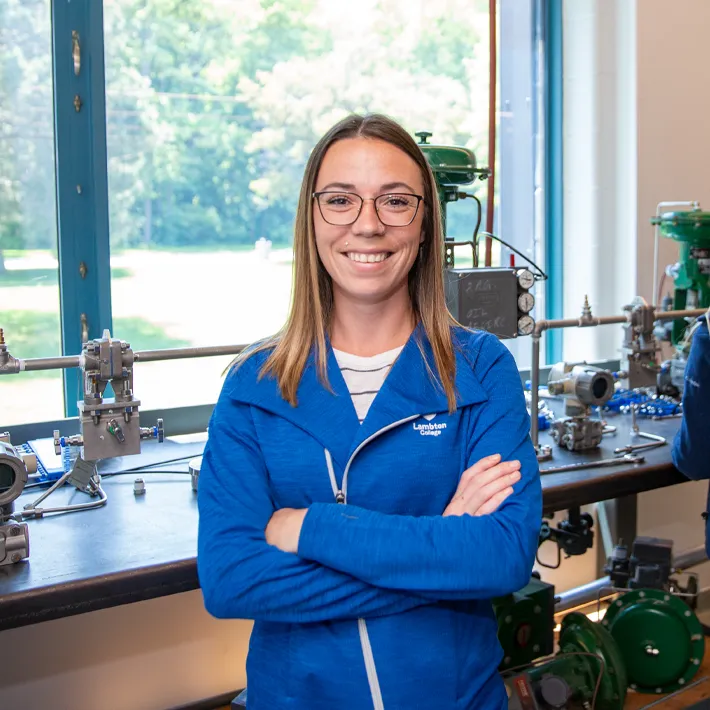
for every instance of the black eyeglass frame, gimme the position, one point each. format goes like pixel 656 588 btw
pixel 316 197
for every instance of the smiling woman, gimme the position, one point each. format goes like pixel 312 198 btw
pixel 368 240
pixel 413 458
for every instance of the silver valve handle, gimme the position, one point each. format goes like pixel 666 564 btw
pixel 154 432
pixel 62 441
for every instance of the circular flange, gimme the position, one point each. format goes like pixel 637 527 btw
pixel 659 637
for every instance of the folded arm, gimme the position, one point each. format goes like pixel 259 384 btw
pixel 447 557
pixel 241 575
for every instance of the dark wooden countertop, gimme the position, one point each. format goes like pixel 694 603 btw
pixel 142 547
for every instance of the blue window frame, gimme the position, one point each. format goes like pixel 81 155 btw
pixel 551 17
pixel 82 190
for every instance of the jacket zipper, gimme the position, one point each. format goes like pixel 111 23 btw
pixel 342 492
pixel 341 498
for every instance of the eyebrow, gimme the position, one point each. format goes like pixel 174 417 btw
pixel 386 187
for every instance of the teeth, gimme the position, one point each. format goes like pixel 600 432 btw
pixel 367 258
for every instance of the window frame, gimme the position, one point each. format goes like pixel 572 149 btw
pixel 81 182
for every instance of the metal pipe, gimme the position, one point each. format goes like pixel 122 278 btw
pixel 69 361
pixel 578 322
pixel 582 322
pixel 49 363
pixel 534 384
pixel 690 558
pixel 179 353
pixel 672 315
pixel 588 593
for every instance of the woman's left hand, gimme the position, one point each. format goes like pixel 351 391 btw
pixel 284 528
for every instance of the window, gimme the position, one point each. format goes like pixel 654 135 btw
pixel 211 111
pixel 29 270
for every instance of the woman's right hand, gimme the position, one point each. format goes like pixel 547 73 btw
pixel 484 486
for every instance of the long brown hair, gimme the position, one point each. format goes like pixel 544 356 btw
pixel 312 295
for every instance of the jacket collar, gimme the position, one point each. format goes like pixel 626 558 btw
pixel 329 415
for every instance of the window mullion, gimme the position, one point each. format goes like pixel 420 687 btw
pixel 554 261
pixel 81 180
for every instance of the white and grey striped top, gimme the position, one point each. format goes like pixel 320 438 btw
pixel 364 376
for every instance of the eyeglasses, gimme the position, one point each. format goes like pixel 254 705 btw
pixel 395 209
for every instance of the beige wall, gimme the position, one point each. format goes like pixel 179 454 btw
pixel 166 652
pixel 673 100
pixel 673 94
pixel 152 655
pixel 635 132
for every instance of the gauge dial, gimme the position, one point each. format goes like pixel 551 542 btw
pixel 526 325
pixel 526 301
pixel 525 279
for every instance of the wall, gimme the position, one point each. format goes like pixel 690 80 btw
pixel 599 168
pixel 635 115
pixel 152 655
pixel 673 158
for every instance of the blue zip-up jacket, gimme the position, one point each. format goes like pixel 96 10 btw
pixel 690 451
pixel 387 603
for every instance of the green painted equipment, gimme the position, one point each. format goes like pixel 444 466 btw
pixel 691 274
pixel 525 623
pixel 453 166
pixel 587 672
pixel 659 638
pixel 495 299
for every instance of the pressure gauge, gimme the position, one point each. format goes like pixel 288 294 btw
pixel 526 325
pixel 526 301
pixel 525 279
pixel 13 473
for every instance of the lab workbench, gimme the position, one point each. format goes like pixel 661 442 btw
pixel 142 547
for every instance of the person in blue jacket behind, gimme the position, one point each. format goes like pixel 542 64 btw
pixel 690 452
pixel 369 483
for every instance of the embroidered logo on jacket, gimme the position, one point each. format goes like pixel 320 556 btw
pixel 429 429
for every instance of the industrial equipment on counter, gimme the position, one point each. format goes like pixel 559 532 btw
pixel 110 426
pixel 595 463
pixel 495 299
pixel 652 440
pixel 640 347
pixel 637 345
pixel 588 672
pixel 644 404
pixel 14 469
pixel 453 167
pixel 582 386
pixel 691 273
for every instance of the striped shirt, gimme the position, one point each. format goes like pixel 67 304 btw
pixel 364 376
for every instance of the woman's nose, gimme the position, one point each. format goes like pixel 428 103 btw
pixel 368 222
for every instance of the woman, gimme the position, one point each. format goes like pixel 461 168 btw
pixel 369 483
